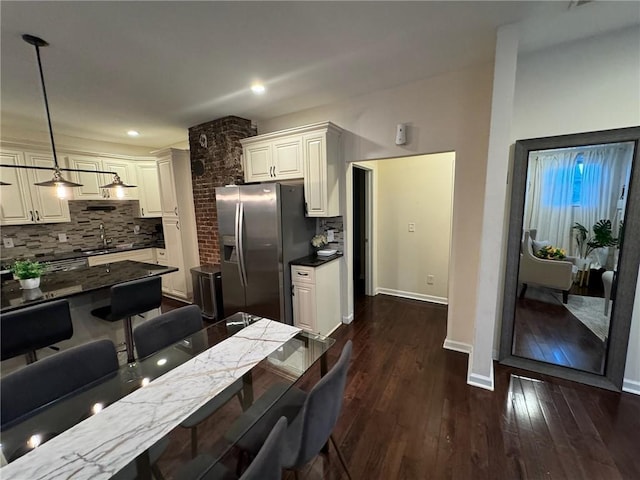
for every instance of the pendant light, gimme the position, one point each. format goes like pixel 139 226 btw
pixel 58 180
pixel 118 184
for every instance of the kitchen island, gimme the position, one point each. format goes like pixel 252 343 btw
pixel 86 289
pixel 79 281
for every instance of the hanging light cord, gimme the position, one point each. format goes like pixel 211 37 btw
pixel 38 42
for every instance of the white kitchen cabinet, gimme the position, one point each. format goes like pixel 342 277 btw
pixel 145 255
pixel 316 297
pixel 278 159
pixel 148 189
pixel 91 182
pixel 22 202
pixel 178 221
pixel 168 197
pixel 175 283
pixel 311 152
pixel 321 152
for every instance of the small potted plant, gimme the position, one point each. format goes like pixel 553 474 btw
pixel 28 273
pixel 319 241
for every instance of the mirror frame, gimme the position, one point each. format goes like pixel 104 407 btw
pixel 629 261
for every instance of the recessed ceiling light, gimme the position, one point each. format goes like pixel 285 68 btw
pixel 133 133
pixel 258 88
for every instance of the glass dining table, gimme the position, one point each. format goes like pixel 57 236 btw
pixel 277 372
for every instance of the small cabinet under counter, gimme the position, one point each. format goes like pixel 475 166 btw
pixel 315 294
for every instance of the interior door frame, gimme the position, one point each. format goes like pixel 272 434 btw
pixel 369 288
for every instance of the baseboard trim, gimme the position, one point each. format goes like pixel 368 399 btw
pixel 347 319
pixel 413 296
pixel 333 330
pixel 456 346
pixel 631 386
pixel 480 381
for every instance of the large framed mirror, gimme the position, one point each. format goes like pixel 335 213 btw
pixel 573 255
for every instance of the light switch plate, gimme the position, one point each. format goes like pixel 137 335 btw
pixel 7 242
pixel 412 227
pixel 62 237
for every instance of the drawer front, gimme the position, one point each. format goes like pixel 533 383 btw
pixel 300 274
pixel 161 256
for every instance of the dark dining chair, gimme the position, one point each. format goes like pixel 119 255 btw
pixel 28 329
pixel 68 372
pixel 312 418
pixel 167 329
pixel 25 391
pixel 129 299
pixel 267 465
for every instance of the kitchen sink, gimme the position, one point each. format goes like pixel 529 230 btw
pixel 98 252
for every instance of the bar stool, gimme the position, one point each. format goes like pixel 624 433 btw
pixel 28 329
pixel 129 299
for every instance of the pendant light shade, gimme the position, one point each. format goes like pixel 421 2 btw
pixel 117 183
pixel 57 180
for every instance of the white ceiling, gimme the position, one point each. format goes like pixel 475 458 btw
pixel 161 67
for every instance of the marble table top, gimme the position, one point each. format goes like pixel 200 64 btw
pixel 100 446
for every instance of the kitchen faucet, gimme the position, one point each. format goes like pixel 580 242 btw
pixel 105 241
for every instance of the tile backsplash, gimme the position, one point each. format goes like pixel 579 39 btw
pixel 83 231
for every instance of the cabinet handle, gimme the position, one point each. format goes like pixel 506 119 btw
pixel 178 225
pixel 142 211
pixel 293 292
pixel 175 210
pixel 37 216
pixel 303 274
pixel 272 171
pixel 31 213
pixel 306 208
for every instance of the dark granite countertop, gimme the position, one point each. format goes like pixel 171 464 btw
pixel 314 260
pixel 65 284
pixel 83 253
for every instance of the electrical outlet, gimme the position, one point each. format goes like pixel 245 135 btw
pixel 136 229
pixel 429 279
pixel 7 242
pixel 62 237
pixel 412 227
pixel 331 235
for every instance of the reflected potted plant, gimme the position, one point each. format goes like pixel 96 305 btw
pixel 597 243
pixel 28 273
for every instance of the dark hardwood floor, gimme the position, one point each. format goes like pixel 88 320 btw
pixel 550 333
pixel 409 414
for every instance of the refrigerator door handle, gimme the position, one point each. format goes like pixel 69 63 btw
pixel 240 241
pixel 237 244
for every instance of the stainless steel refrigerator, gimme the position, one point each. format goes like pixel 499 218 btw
pixel 261 228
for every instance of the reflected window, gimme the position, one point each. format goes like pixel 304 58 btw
pixel 578 170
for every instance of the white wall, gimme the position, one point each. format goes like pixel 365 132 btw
pixel 445 113
pixel 419 190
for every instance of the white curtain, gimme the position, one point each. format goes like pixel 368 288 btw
pixel 549 202
pixel 551 206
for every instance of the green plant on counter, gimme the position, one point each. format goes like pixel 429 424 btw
pixel 25 269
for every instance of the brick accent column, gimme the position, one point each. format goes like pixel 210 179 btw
pixel 215 162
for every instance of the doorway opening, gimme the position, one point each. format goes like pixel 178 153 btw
pixel 361 266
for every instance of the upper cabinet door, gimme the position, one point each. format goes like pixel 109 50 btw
pixel 47 207
pixel 315 181
pixel 149 189
pixel 90 189
pixel 126 172
pixel 15 200
pixel 167 188
pixel 287 158
pixel 258 165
